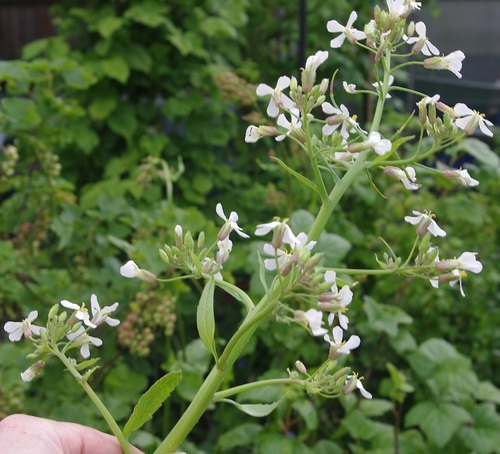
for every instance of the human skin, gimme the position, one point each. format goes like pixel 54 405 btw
pixel 23 434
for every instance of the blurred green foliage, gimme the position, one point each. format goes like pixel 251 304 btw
pixel 130 121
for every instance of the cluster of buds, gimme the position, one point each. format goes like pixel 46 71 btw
pixel 327 381
pixel 9 161
pixel 62 330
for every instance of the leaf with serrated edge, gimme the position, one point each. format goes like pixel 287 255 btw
pixel 151 401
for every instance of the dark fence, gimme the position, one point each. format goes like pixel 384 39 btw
pixel 23 21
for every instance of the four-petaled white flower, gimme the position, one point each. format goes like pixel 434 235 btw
pixel 313 61
pixel 378 143
pixel 282 230
pixel 131 270
pixel 407 176
pixel 278 99
pixel 425 222
pixel 461 175
pixel 352 382
pixel 231 224
pixel 349 88
pixel 467 262
pixel 315 322
pixel 348 31
pixel 338 346
pixel 99 315
pixel 81 312
pixel 421 42
pixel 16 330
pixel 451 62
pixel 338 117
pixel 470 119
pixel 290 126
pixel 398 8
pixel 335 301
pixel 254 133
pixel 83 340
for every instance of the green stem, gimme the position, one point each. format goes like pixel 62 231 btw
pixel 125 445
pixel 254 385
pixel 204 396
pixel 341 187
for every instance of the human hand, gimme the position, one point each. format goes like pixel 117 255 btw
pixel 23 434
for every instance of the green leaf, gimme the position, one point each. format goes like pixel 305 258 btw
pixel 148 13
pixel 236 293
pixel 482 436
pixel 151 401
pixel 21 113
pixel 138 58
pixel 116 68
pixel 255 410
pixel 205 318
pixel 308 412
pixel 102 106
pixel 108 25
pixel 385 318
pixel 297 175
pixel 123 121
pixel 242 435
pixel 438 420
pixel 79 78
pixel 488 392
pixel 488 159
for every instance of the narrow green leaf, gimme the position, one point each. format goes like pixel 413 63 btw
pixel 297 175
pixel 236 293
pixel 21 113
pixel 255 410
pixel 151 401
pixel 205 318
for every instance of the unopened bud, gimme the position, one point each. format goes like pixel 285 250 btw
pixel 410 31
pixel 164 256
pixel 188 241
pixel 300 367
pixel 201 240
pixel 178 236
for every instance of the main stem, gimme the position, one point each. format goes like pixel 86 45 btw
pixel 204 396
pixel 341 187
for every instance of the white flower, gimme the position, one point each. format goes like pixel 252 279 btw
pixel 377 86
pixel 131 270
pixel 31 372
pixel 102 315
pixel 16 330
pixel 452 278
pixel 81 312
pixel 467 262
pixel 348 31
pixel 295 124
pixel 407 176
pixel 225 247
pixel 461 175
pixel 352 382
pixel 313 61
pixel 83 340
pixel 315 322
pixel 339 117
pixel 425 222
pixel 279 260
pixel 231 224
pixel 397 7
pixel 334 301
pixel 421 43
pixel 470 119
pixel 378 143
pixel 254 133
pixel 338 346
pixel 451 62
pixel 349 88
pixel 282 233
pixel 278 99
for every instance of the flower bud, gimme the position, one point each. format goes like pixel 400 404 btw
pixel 410 31
pixel 32 371
pixel 300 367
pixel 201 241
pixel 188 241
pixel 53 311
pixel 178 236
pixel 164 256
